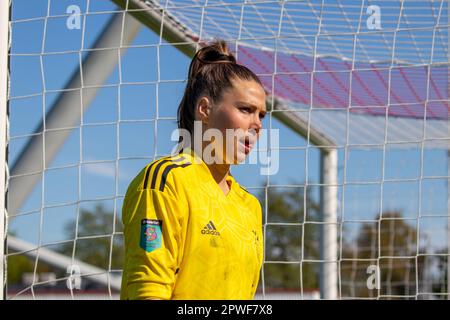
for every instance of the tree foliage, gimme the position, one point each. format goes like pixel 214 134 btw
pixel 285 241
pixel 390 244
pixel 97 242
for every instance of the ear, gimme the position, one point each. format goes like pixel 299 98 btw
pixel 202 109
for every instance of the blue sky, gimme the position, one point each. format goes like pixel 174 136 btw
pixel 98 138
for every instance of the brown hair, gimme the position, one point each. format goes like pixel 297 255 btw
pixel 210 73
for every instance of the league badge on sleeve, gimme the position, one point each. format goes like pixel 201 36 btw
pixel 151 234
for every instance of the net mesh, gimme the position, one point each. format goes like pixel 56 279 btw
pixel 93 98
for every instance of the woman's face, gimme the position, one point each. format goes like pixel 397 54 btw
pixel 243 107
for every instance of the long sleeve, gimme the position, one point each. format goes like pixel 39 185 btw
pixel 152 241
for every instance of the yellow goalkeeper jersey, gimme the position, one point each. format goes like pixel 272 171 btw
pixel 186 239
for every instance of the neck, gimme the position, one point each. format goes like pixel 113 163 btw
pixel 218 171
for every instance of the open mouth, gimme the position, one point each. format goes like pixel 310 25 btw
pixel 247 144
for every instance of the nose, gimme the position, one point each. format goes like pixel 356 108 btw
pixel 256 124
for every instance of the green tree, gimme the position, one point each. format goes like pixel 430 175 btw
pixel 284 242
pixel 391 244
pixel 97 242
pixel 438 281
pixel 18 264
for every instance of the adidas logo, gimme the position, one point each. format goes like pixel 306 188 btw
pixel 210 228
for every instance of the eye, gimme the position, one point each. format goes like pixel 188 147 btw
pixel 246 109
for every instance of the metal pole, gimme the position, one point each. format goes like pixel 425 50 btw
pixel 329 241
pixel 95 274
pixel 65 113
pixel 4 51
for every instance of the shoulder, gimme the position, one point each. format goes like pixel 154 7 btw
pixel 160 174
pixel 249 199
pixel 253 204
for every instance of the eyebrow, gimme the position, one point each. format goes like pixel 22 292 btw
pixel 251 105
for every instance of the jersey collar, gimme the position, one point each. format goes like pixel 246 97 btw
pixel 196 159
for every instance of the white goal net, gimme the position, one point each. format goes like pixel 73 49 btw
pixel 358 207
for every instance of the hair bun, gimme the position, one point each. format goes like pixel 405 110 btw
pixel 215 53
pixel 212 70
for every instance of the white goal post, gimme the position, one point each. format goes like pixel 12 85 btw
pixel 4 51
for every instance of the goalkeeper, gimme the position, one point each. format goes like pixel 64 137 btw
pixel 191 231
